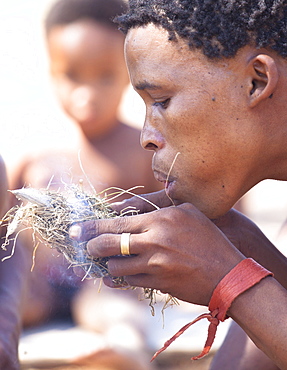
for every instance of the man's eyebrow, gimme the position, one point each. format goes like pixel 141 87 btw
pixel 146 85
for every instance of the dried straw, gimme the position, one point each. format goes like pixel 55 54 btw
pixel 51 213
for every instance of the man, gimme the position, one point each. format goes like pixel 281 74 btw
pixel 213 77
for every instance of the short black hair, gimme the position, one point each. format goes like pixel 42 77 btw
pixel 219 28
pixel 64 12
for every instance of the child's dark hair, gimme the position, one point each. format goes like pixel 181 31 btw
pixel 217 27
pixel 64 12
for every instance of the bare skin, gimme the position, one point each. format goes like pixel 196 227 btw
pixel 244 354
pixel 220 153
pixel 12 280
pixel 89 74
pixel 228 121
pixel 166 262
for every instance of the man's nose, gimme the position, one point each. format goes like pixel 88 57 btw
pixel 151 138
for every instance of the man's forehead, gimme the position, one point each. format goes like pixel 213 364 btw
pixel 150 47
pixel 150 53
pixel 155 38
pixel 148 30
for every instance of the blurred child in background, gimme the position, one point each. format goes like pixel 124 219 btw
pixel 88 70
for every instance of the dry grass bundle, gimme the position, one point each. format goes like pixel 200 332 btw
pixel 50 214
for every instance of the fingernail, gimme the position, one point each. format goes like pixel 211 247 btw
pixel 75 232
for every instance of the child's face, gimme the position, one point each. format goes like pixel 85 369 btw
pixel 198 108
pixel 88 69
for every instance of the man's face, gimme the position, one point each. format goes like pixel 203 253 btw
pixel 197 108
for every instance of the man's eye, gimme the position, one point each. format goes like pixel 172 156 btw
pixel 163 104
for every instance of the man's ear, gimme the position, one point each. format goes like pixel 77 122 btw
pixel 264 78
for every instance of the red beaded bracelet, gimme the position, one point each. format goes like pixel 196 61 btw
pixel 242 277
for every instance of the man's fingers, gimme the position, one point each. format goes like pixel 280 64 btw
pixel 107 245
pixel 111 283
pixel 143 203
pixel 84 231
pixel 87 230
pixel 122 266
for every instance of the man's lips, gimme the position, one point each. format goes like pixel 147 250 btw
pixel 162 177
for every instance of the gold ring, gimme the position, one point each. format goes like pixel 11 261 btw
pixel 125 244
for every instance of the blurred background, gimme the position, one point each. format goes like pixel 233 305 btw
pixel 25 94
pixel 31 120
pixel 30 117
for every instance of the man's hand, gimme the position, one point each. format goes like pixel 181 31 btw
pixel 143 203
pixel 176 250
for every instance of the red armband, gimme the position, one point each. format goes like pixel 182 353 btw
pixel 242 277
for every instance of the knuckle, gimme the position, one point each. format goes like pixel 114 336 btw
pixel 155 262
pixel 120 224
pixel 113 226
pixel 84 230
pixel 176 214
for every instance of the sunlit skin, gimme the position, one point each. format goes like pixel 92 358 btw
pixel 202 109
pixel 89 86
pixel 227 119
